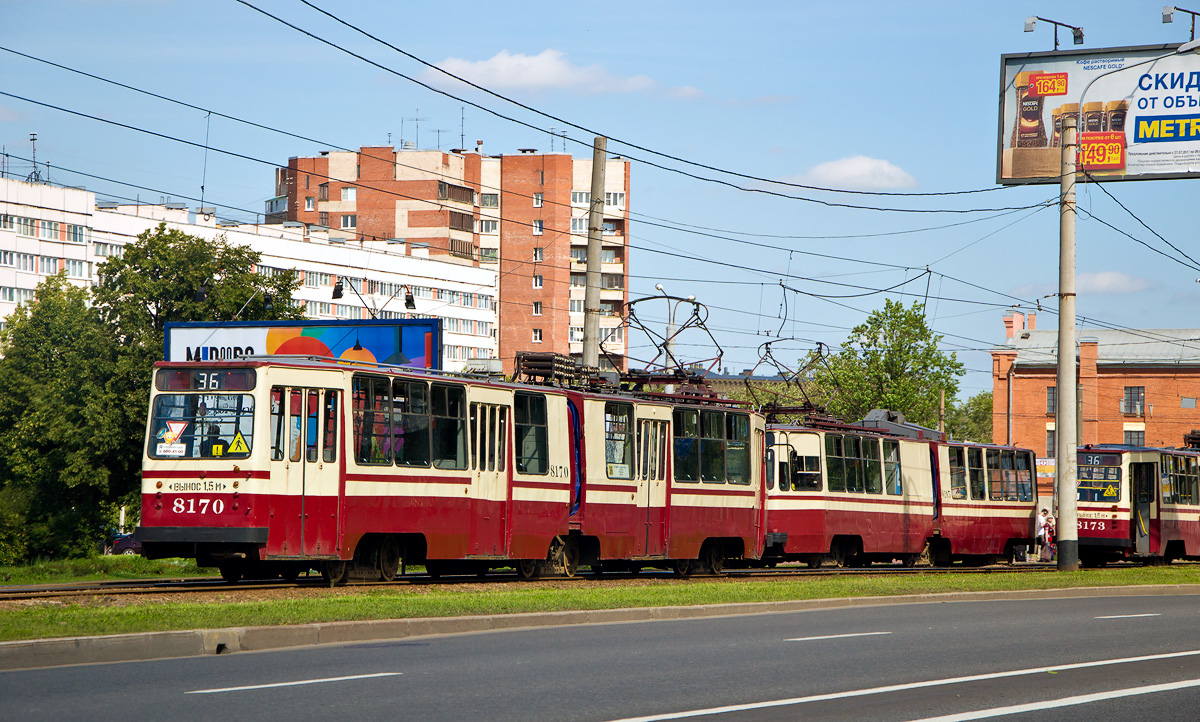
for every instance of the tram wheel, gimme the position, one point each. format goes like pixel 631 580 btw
pixel 682 567
pixel 714 560
pixel 232 571
pixel 909 560
pixel 335 572
pixel 814 562
pixel 528 568
pixel 570 559
pixel 389 559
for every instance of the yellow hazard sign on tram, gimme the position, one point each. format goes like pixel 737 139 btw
pixel 1110 490
pixel 239 446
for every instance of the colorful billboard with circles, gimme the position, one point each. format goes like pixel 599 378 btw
pixel 409 342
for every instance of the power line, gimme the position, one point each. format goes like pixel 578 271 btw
pixel 557 119
pixel 832 204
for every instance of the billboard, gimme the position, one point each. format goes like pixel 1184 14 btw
pixel 1137 110
pixel 409 342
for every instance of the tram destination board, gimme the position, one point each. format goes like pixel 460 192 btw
pixel 205 379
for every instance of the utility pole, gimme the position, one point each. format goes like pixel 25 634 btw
pixel 942 411
pixel 591 292
pixel 1066 422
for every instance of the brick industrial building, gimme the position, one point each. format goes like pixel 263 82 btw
pixel 524 215
pixel 1135 387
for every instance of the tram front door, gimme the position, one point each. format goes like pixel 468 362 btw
pixel 1142 477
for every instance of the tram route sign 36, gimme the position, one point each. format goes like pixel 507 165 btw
pixel 1137 110
pixel 401 342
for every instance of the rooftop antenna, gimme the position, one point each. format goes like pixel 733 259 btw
pixel 462 127
pixel 417 122
pixel 34 177
pixel 553 135
pixel 204 168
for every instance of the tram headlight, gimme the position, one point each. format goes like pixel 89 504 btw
pixel 158 485
pixel 235 484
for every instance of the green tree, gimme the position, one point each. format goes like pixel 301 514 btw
pixel 972 419
pixel 76 375
pixel 891 361
pixel 60 440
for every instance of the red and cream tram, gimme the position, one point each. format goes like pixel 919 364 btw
pixel 273 466
pixel 879 492
pixel 1138 503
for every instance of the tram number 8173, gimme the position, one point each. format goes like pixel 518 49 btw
pixel 1084 524
pixel 198 506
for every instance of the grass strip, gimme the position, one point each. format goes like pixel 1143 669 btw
pixel 347 604
pixel 100 568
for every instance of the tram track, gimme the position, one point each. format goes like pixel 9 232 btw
pixel 207 586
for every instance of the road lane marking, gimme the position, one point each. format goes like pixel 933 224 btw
pixel 294 684
pixel 1064 702
pixel 1128 616
pixel 836 636
pixel 902 687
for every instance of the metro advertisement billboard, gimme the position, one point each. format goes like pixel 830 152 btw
pixel 1137 112
pixel 406 342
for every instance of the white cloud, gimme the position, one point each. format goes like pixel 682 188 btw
pixel 1109 282
pixel 685 92
pixel 10 115
pixel 548 70
pixel 858 172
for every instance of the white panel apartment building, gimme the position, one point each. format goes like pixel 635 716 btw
pixel 46 229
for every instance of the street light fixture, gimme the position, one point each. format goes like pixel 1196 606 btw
pixel 1169 16
pixel 1076 32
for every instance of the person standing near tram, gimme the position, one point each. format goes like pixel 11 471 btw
pixel 1045 536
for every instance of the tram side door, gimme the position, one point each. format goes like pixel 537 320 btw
pixel 1142 476
pixel 310 461
pixel 651 476
pixel 489 454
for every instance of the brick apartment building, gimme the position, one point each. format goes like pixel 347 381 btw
pixel 524 215
pixel 1135 387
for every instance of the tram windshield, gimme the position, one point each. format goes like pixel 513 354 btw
pixel 201 426
pixel 1099 483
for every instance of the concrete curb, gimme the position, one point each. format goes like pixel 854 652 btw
pixel 36 653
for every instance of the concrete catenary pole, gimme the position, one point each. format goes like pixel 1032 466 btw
pixel 591 293
pixel 1066 421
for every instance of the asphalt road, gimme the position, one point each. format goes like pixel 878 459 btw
pixel 902 662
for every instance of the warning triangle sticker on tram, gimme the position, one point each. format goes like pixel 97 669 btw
pixel 1110 491
pixel 238 446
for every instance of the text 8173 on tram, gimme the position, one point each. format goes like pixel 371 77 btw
pixel 1138 503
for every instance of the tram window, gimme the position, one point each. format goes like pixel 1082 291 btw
pixel 975 474
pixel 410 423
pixel 834 462
pixel 854 464
pixel 686 444
pixel 806 472
pixel 277 417
pixel 194 426
pixel 372 420
pixel 499 443
pixel 449 426
pixel 1024 476
pixel 737 453
pixel 1186 487
pixel 295 413
pixel 874 475
pixel 894 482
pixel 329 445
pixel 312 435
pixel 1099 483
pixel 618 440
pixel 771 470
pixel 529 415
pixel 995 475
pixel 1009 474
pixel 958 472
pixel 477 438
pixel 712 447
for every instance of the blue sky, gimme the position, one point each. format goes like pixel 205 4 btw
pixel 885 96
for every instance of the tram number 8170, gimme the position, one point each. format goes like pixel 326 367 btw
pixel 198 506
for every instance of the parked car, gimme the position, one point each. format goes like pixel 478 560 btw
pixel 125 544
